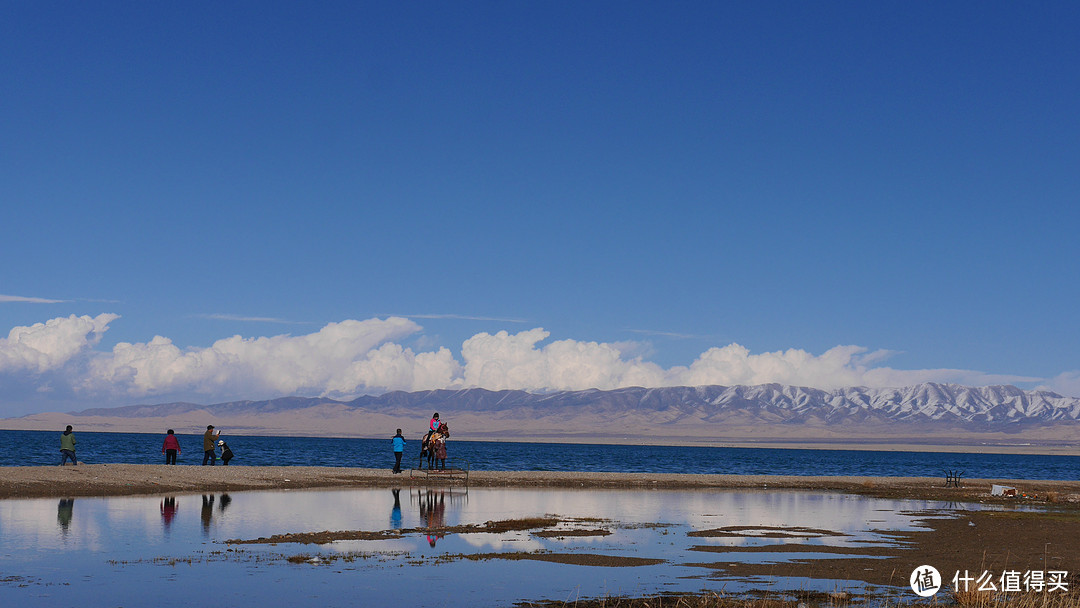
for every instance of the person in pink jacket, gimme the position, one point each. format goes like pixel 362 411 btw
pixel 170 448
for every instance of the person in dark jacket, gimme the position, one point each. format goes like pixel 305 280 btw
pixel 226 453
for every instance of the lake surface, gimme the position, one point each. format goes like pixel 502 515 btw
pixel 172 550
pixel 42 448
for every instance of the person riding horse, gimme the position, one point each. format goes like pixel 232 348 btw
pixel 434 446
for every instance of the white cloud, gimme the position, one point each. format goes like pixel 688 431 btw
pixel 30 300
pixel 350 358
pixel 835 368
pixel 733 364
pixel 391 367
pixel 505 361
pixel 1066 383
pixel 46 346
pixel 280 364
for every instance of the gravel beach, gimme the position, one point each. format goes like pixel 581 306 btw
pixel 128 479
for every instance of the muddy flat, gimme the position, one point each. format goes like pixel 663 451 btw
pixel 1039 536
pixel 972 541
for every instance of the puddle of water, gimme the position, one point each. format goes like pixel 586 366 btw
pixel 113 551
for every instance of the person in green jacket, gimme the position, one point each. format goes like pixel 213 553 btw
pixel 209 449
pixel 67 447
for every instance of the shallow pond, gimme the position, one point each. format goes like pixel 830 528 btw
pixel 456 547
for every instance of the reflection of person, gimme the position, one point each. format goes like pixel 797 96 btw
pixel 67 447
pixel 171 447
pixel 168 510
pixel 63 513
pixel 207 512
pixel 433 512
pixel 226 453
pixel 208 445
pixel 399 448
pixel 395 513
pixel 224 502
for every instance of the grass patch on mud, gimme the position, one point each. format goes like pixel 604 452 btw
pixel 576 559
pixel 547 524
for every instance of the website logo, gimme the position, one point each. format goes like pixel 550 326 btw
pixel 925 581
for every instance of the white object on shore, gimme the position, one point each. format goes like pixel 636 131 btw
pixel 996 490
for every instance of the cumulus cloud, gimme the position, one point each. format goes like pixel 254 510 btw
pixel 835 368
pixel 505 361
pixel 1066 383
pixel 42 347
pixel 283 364
pixel 346 359
pixel 392 367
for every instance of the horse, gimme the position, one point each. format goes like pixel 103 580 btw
pixel 433 447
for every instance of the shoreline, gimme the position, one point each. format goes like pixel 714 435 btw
pixel 901 443
pixel 102 480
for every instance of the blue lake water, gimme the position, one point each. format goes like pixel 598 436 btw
pixel 42 448
pixel 171 550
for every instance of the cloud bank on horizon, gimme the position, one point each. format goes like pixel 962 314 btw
pixel 346 359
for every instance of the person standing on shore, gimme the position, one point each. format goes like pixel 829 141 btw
pixel 67 447
pixel 209 450
pixel 399 448
pixel 170 448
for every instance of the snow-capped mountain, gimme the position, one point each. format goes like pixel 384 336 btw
pixel 992 406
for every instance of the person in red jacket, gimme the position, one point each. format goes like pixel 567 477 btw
pixel 170 448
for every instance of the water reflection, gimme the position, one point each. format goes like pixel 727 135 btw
pixel 433 513
pixel 64 511
pixel 207 514
pixel 168 511
pixel 432 504
pixel 395 511
pixel 127 547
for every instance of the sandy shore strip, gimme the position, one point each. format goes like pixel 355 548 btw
pixel 131 479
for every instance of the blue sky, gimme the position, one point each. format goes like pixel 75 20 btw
pixel 635 193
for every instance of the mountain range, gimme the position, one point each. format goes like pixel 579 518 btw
pixel 930 413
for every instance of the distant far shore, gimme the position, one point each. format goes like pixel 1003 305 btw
pixel 135 479
pixel 884 445
pixel 1064 442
